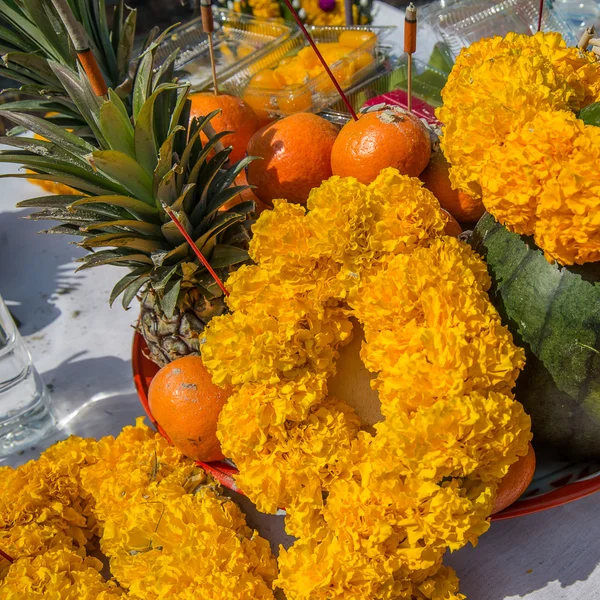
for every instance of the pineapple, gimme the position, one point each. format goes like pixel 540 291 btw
pixel 142 153
pixel 31 34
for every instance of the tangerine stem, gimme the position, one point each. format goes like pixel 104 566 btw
pixel 195 248
pixel 320 57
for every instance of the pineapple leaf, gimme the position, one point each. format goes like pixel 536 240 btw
pixel 34 64
pixel 218 225
pixel 172 233
pixel 64 230
pixel 74 182
pixel 136 208
pixel 161 276
pixel 167 189
pixel 64 216
pixel 116 128
pixel 125 170
pixel 225 178
pixel 103 41
pixel 44 17
pixel 42 148
pixel 16 40
pixel 52 201
pixel 126 225
pixel 224 255
pixel 41 106
pixel 164 74
pixel 168 301
pixel 175 255
pixel 125 42
pixel 185 201
pixel 115 99
pixel 195 131
pixel 165 159
pixel 141 84
pixel 85 100
pixel 117 28
pixel 52 165
pixel 29 29
pixel 118 256
pixel 132 290
pixel 126 281
pixel 122 240
pixel 146 150
pixel 70 142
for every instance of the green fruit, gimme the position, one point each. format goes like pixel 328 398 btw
pixel 554 313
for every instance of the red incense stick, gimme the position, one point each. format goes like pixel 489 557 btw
pixel 190 241
pixel 320 56
pixel 7 557
pixel 540 15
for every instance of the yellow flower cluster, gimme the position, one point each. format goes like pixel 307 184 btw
pixel 313 13
pixel 511 137
pixel 161 521
pixel 374 513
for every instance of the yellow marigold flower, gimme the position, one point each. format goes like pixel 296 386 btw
pixel 499 84
pixel 59 575
pixel 266 9
pixel 374 514
pixel 279 463
pixel 42 503
pixel 473 435
pixel 568 211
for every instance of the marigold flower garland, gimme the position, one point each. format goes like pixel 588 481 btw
pixel 374 514
pixel 164 525
pixel 511 136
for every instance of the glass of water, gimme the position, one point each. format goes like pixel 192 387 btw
pixel 25 415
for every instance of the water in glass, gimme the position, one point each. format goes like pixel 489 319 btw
pixel 25 415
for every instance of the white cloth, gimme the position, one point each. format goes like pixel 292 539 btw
pixel 82 349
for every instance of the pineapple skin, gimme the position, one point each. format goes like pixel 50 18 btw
pixel 171 338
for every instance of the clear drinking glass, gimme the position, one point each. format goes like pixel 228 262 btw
pixel 25 415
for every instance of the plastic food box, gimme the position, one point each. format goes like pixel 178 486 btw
pixel 462 22
pixel 317 92
pixel 391 86
pixel 239 41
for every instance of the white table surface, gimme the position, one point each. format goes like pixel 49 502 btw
pixel 82 349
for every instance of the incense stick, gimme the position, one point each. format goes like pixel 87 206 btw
pixel 7 557
pixel 320 57
pixel 208 26
pixel 82 47
pixel 540 15
pixel 190 241
pixel 410 44
pixel 348 11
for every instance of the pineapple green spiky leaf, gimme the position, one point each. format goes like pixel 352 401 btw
pixel 145 149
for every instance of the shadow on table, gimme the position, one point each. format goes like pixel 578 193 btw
pixel 553 549
pixel 91 397
pixel 35 270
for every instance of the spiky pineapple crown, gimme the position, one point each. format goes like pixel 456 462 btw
pixel 137 154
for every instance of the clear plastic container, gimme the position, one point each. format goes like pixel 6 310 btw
pixel 428 81
pixel 239 41
pixel 315 93
pixel 25 415
pixel 462 22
